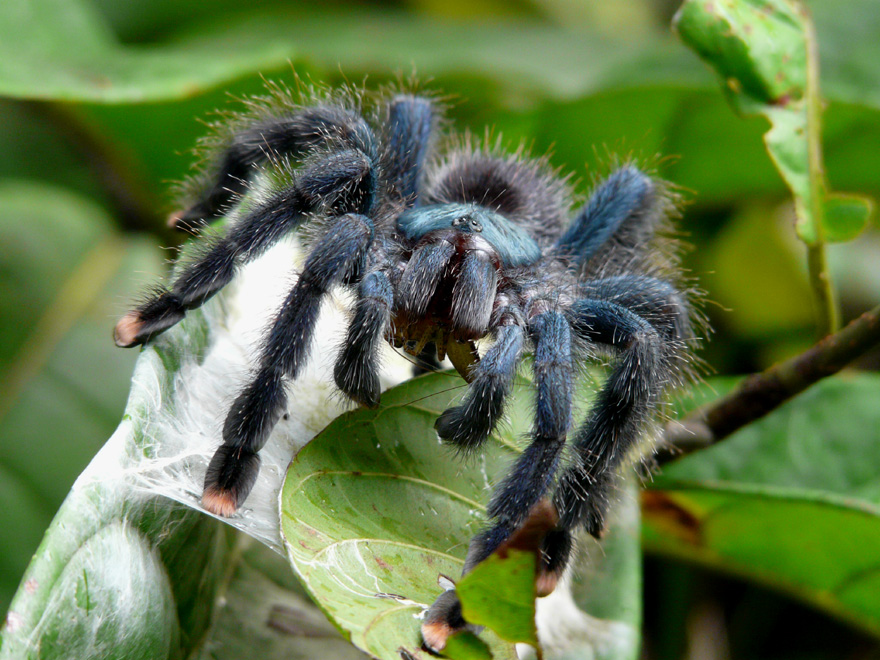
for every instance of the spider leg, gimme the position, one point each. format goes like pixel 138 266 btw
pixel 653 299
pixel 625 198
pixel 356 371
pixel 468 424
pixel 621 410
pixel 345 175
pixel 255 412
pixel 518 499
pixel 534 469
pixel 409 124
pixel 276 137
pixel 648 320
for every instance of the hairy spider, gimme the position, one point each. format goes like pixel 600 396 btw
pixel 445 246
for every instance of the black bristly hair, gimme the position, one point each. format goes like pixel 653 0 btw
pixel 443 247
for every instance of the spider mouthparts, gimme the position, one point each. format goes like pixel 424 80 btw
pixel 219 502
pixel 125 334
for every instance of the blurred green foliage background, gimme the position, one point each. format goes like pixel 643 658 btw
pixel 99 108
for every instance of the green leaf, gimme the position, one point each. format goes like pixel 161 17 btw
pixel 846 216
pixel 375 509
pixel 63 50
pixel 65 270
pixel 759 48
pixel 466 645
pixel 373 513
pixel 792 501
pixel 765 53
pixel 500 594
pixel 121 572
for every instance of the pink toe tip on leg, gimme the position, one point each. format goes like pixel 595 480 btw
pixel 174 219
pixel 435 634
pixel 126 332
pixel 219 502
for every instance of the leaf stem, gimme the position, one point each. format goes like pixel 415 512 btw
pixel 823 290
pixel 759 394
pixel 820 279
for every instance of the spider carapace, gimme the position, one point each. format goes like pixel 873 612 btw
pixel 444 241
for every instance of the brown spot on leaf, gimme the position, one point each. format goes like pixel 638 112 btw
pixel 382 563
pixel 669 516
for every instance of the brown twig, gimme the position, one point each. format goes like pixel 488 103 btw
pixel 763 392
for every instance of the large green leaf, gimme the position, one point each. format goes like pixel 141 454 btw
pixel 121 572
pixel 63 50
pixel 65 270
pixel 374 513
pixel 375 509
pixel 124 571
pixel 792 500
pixel 766 54
pixel 40 61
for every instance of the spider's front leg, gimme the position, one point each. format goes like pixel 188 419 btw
pixel 356 371
pixel 469 424
pixel 517 503
pixel 233 469
pixel 407 136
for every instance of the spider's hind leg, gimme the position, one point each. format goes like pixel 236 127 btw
pixel 646 321
pixel 346 174
pixel 623 206
pixel 277 137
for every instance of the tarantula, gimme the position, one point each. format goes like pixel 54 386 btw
pixel 445 247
